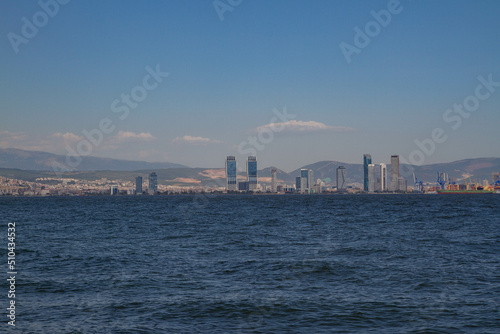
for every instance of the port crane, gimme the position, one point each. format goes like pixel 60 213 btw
pixel 496 180
pixel 441 181
pixel 419 185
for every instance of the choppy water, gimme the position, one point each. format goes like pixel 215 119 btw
pixel 255 264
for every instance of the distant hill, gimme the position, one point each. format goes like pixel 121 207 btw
pixel 28 165
pixel 42 161
pixel 480 169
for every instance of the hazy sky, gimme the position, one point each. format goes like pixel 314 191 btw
pixel 229 67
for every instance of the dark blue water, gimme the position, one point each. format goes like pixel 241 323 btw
pixel 255 264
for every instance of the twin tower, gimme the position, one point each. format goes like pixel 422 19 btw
pixel 232 183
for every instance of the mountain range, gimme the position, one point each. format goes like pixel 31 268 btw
pixel 42 161
pixel 29 165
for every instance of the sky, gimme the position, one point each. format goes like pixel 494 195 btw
pixel 294 82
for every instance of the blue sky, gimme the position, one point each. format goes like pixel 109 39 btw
pixel 225 78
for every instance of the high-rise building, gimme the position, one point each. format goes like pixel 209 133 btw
pixel 273 180
pixel 367 159
pixel 402 184
pixel 138 185
pixel 230 173
pixel 383 177
pixel 341 174
pixel 252 173
pixel 310 181
pixel 153 183
pixel 394 173
pixel 298 182
pixel 304 180
pixel 371 178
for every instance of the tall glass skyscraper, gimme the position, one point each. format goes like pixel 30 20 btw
pixel 252 172
pixel 230 173
pixel 153 182
pixel 340 178
pixel 394 172
pixel 138 185
pixel 304 180
pixel 367 159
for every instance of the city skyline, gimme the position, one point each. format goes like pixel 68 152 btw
pixel 195 88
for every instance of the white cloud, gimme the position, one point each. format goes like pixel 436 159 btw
pixel 57 142
pixel 67 137
pixel 126 136
pixel 52 143
pixel 294 126
pixel 11 139
pixel 196 140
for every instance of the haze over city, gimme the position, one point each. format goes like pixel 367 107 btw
pixel 351 77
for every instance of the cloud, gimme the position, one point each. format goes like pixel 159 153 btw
pixel 67 137
pixel 195 140
pixel 54 143
pixel 294 126
pixel 114 142
pixel 57 142
pixel 11 139
pixel 127 136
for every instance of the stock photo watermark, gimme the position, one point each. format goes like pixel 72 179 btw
pixel 120 106
pixel 265 135
pixel 30 28
pixel 454 118
pixel 363 37
pixel 11 272
pixel 223 6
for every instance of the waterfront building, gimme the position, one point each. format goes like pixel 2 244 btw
pixel 298 181
pixel 310 181
pixel 230 173
pixel 394 173
pixel 402 184
pixel 341 174
pixel 273 180
pixel 304 179
pixel 138 185
pixel 371 178
pixel 383 177
pixel 367 159
pixel 243 186
pixel 252 173
pixel 153 183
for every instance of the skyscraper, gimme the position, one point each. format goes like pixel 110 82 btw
pixel 252 173
pixel 367 159
pixel 394 172
pixel 383 177
pixel 340 178
pixel 273 180
pixel 310 181
pixel 371 178
pixel 298 184
pixel 153 183
pixel 230 173
pixel 304 180
pixel 138 185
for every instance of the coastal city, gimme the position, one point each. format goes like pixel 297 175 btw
pixel 377 179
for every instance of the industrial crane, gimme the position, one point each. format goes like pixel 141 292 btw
pixel 419 185
pixel 441 181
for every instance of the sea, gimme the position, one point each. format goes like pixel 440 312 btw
pixel 253 264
